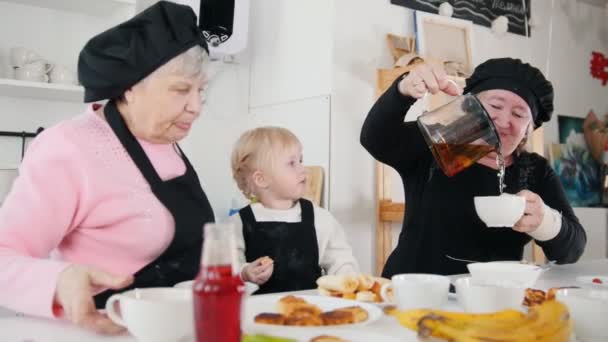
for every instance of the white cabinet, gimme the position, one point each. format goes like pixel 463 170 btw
pixel 57 30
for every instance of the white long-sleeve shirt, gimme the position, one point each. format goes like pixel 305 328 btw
pixel 335 254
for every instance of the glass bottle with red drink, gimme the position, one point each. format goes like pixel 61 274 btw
pixel 218 289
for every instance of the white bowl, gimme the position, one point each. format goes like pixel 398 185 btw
pixel 479 298
pixel 589 310
pixel 250 288
pixel 500 211
pixel 501 272
pixel 418 290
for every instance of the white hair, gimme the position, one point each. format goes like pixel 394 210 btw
pixel 192 63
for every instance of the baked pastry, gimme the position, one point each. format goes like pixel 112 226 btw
pixel 266 260
pixel 359 313
pixel 289 303
pixel 340 283
pixel 366 296
pixel 338 317
pixel 269 318
pixel 343 286
pixel 304 319
pixel 365 282
pixel 534 297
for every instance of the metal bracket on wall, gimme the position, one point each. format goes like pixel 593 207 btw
pixel 23 135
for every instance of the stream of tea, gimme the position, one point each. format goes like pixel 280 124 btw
pixel 500 162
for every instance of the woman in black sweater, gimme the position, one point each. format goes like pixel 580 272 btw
pixel 441 222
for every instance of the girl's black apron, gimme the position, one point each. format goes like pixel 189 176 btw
pixel 292 246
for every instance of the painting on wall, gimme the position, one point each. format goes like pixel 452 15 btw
pixel 571 159
pixel 445 39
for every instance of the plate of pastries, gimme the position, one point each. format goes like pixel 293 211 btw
pixel 303 311
pixel 359 287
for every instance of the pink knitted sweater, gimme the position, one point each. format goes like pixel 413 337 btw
pixel 81 197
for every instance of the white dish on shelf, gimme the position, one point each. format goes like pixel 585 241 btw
pixel 41 90
pixel 255 305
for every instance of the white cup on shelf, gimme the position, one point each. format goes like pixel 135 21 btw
pixel 62 75
pixel 19 56
pixel 33 73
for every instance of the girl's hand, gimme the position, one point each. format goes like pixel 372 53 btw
pixel 259 271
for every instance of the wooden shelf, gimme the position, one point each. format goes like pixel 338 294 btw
pixel 91 7
pixel 41 91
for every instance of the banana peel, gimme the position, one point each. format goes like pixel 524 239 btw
pixel 549 321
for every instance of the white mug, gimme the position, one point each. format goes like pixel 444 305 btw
pixel 19 56
pixel 154 314
pixel 63 75
pixel 34 74
pixel 42 65
pixel 417 291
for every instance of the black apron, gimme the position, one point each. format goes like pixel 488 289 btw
pixel 292 246
pixel 185 199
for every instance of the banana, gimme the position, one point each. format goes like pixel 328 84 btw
pixel 549 321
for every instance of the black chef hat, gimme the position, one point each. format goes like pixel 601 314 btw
pixel 520 78
pixel 114 60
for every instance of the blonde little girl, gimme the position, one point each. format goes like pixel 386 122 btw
pixel 284 241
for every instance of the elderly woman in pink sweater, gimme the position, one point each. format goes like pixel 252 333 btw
pixel 110 191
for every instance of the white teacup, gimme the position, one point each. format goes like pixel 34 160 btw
pixel 19 56
pixel 62 75
pixel 154 314
pixel 34 74
pixel 481 298
pixel 500 211
pixel 42 65
pixel 417 291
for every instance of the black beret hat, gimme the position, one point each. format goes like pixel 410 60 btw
pixel 114 60
pixel 520 78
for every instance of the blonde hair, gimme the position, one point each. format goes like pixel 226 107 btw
pixel 257 149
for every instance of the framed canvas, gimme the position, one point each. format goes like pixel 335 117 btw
pixel 444 38
pixel 578 173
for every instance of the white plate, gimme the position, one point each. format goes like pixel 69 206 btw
pixel 302 335
pixel 249 287
pixel 589 280
pixel 267 303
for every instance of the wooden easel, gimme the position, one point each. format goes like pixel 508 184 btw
pixel 388 211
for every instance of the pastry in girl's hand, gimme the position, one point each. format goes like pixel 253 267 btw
pixel 265 260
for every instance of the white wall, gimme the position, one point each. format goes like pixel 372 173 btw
pixel 307 49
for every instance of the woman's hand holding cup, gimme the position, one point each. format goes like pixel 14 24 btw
pixel 76 286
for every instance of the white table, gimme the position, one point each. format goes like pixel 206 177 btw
pixel 29 329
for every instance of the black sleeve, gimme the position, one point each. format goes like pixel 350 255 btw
pixel 569 244
pixel 386 137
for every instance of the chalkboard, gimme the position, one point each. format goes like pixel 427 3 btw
pixel 481 12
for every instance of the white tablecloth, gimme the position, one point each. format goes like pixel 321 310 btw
pixel 29 329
